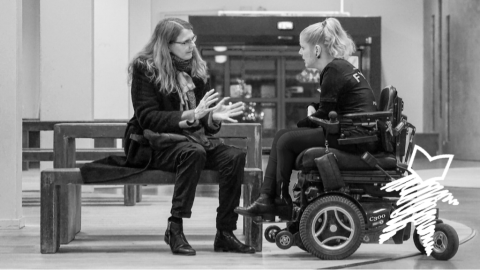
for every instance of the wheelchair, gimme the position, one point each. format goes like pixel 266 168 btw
pixel 333 224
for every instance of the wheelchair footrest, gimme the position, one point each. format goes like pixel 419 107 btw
pixel 280 214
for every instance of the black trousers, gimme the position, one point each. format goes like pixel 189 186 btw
pixel 286 146
pixel 187 160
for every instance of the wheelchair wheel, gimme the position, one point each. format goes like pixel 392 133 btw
pixel 271 232
pixel 298 242
pixel 445 242
pixel 284 239
pixel 418 242
pixel 332 227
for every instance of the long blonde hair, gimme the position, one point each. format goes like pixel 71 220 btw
pixel 156 59
pixel 331 34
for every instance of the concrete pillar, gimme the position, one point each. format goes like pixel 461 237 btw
pixel 11 214
pixel 31 59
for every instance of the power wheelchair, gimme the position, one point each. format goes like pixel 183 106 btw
pixel 332 224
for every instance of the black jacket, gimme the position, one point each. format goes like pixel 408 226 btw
pixel 157 111
pixel 344 89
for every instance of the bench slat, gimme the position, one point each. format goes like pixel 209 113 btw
pixel 150 177
pixel 44 154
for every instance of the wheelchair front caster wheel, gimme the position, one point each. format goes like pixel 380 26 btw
pixel 271 232
pixel 284 239
pixel 445 242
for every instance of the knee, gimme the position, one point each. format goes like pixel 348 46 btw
pixel 280 133
pixel 194 152
pixel 285 141
pixel 239 156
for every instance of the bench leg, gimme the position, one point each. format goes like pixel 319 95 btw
pixel 246 199
pixel 254 230
pixel 138 192
pixel 25 164
pixel 49 216
pixel 78 207
pixel 70 208
pixel 129 195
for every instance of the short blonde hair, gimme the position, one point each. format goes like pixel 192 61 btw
pixel 156 59
pixel 331 34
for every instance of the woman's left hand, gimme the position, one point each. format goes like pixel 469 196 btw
pixel 222 112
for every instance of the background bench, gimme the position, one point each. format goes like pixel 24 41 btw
pixel 60 218
pixel 104 147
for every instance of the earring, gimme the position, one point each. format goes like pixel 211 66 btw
pixel 318 56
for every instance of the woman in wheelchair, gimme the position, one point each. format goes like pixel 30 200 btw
pixel 324 46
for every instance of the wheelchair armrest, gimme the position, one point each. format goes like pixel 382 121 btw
pixel 358 140
pixel 368 116
pixel 328 126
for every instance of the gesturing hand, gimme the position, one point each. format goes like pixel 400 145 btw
pixel 203 106
pixel 222 112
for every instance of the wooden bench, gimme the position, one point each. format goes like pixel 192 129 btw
pixel 104 147
pixel 60 218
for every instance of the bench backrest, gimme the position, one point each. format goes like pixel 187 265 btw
pixel 245 135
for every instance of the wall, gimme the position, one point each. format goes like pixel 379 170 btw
pixel 451 75
pixel 402 35
pixel 110 58
pixel 66 67
pixel 139 31
pixel 402 43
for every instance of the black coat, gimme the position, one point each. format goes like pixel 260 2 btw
pixel 156 111
pixel 153 110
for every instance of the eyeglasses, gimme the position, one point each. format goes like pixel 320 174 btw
pixel 186 42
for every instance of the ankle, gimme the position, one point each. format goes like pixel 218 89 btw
pixel 283 201
pixel 176 220
pixel 265 198
pixel 225 232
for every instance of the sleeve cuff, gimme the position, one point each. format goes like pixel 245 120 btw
pixel 212 123
pixel 188 124
pixel 188 115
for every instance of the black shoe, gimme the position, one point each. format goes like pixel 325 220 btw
pixel 263 205
pixel 227 242
pixel 175 238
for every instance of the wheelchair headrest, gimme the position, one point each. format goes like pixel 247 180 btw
pixel 387 98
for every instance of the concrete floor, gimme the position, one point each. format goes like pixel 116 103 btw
pixel 117 237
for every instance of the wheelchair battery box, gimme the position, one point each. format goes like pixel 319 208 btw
pixel 376 213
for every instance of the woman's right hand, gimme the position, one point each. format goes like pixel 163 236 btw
pixel 203 107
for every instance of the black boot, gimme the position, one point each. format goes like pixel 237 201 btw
pixel 175 238
pixel 227 242
pixel 263 205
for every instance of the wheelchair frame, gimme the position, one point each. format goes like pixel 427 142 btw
pixel 333 224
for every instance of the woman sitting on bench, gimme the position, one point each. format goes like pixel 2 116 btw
pixel 174 110
pixel 324 46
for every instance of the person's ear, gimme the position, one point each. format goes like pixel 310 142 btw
pixel 318 51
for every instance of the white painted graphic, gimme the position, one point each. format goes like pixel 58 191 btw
pixel 418 199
